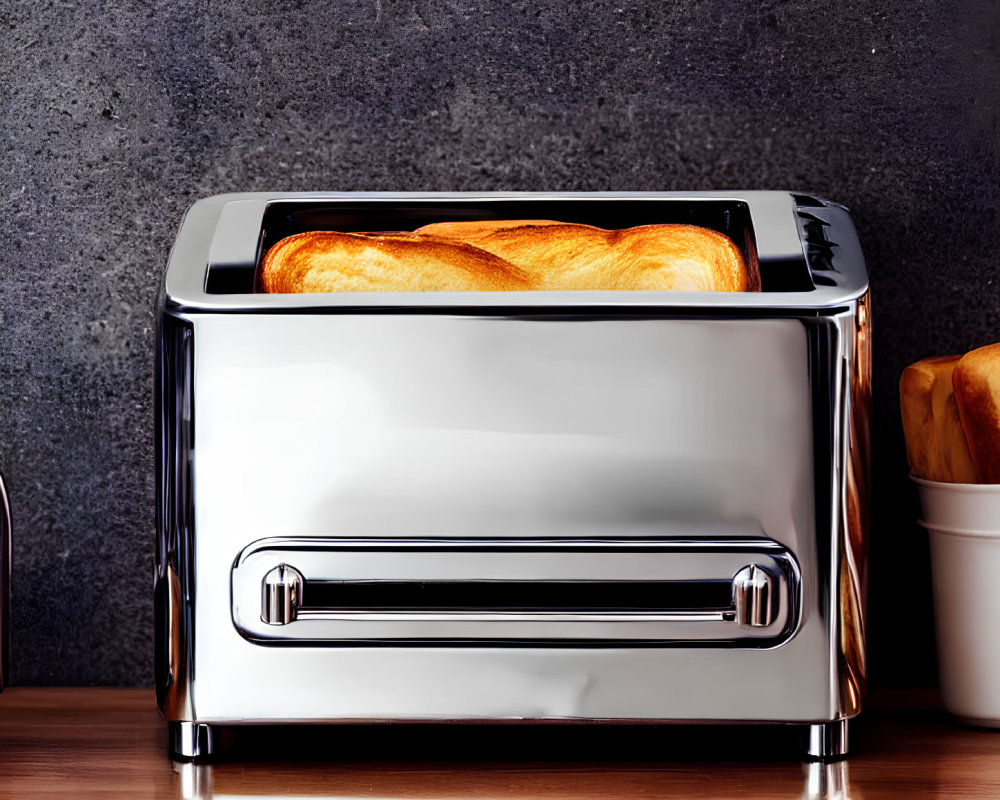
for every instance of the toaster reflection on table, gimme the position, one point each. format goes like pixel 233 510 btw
pixel 530 506
pixel 822 781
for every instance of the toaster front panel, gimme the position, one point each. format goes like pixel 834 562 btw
pixel 395 427
pixel 377 425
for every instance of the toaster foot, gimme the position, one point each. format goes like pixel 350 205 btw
pixel 190 741
pixel 828 741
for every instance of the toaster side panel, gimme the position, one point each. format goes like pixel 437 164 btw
pixel 855 525
pixel 352 426
pixel 174 581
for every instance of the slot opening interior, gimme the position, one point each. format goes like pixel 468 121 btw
pixel 519 596
pixel 287 218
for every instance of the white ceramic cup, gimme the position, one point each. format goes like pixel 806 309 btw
pixel 963 520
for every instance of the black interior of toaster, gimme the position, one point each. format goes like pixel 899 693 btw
pixel 287 218
pixel 520 596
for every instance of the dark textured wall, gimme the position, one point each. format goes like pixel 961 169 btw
pixel 116 116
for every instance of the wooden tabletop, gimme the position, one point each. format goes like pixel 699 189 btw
pixel 111 743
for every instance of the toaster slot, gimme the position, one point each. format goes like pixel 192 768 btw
pixel 516 596
pixel 340 592
pixel 237 254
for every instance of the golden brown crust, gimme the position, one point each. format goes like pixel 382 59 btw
pixel 567 256
pixel 977 390
pixel 324 261
pixel 508 256
pixel 470 230
pixel 935 442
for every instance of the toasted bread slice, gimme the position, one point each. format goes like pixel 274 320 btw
pixel 935 443
pixel 565 256
pixel 977 390
pixel 324 261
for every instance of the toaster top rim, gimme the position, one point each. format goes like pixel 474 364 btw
pixel 223 232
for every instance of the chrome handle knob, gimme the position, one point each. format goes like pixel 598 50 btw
pixel 281 595
pixel 754 596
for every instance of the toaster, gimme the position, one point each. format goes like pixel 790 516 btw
pixel 533 507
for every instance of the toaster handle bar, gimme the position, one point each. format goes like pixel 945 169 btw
pixel 684 595
pixel 751 607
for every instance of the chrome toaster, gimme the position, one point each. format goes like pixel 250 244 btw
pixel 524 506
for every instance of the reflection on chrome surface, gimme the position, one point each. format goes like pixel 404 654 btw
pixel 602 442
pixel 196 782
pixel 828 782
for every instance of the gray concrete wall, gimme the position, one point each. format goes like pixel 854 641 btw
pixel 115 116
